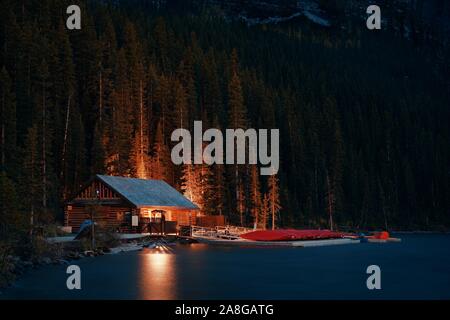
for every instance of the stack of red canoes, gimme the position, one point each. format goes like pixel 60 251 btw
pixel 382 235
pixel 291 234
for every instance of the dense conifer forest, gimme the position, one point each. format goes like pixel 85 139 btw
pixel 363 116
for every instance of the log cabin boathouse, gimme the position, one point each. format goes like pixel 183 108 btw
pixel 130 205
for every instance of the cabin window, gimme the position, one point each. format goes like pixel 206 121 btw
pixel 145 213
pixel 157 215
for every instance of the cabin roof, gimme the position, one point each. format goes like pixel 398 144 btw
pixel 147 193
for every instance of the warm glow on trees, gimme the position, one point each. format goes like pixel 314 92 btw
pixel 105 100
pixel 255 195
pixel 273 198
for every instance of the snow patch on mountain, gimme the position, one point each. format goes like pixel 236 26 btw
pixel 306 8
pixel 316 19
pixel 269 20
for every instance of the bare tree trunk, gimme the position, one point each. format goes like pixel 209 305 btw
pixel 3 145
pixel 238 200
pixel 330 201
pixel 32 193
pixel 141 119
pixel 100 94
pixel 273 212
pixel 66 129
pixel 265 221
pixel 31 220
pixel 3 130
pixel 44 147
pixel 255 200
pixel 190 179
pixel 385 219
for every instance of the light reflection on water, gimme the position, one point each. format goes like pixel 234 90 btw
pixel 199 271
pixel 157 276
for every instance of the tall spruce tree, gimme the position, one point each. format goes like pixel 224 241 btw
pixel 8 141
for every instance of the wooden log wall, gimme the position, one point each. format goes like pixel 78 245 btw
pixel 184 217
pixel 211 221
pixel 114 217
pixel 110 217
pixel 90 192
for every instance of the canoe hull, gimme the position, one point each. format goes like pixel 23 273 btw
pixel 291 234
pixel 245 242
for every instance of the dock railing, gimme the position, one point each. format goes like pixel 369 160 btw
pixel 224 232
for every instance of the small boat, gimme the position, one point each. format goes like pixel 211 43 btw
pixel 381 237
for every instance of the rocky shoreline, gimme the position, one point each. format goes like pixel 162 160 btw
pixel 18 266
pixel 66 253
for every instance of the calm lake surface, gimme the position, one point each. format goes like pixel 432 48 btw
pixel 416 268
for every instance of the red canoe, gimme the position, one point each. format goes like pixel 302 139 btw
pixel 291 234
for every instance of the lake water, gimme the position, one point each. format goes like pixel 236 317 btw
pixel 416 268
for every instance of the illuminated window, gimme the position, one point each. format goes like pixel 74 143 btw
pixel 157 215
pixel 146 213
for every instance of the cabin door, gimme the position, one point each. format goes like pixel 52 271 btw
pixel 158 222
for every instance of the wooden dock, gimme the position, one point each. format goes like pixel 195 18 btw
pixel 302 244
pixel 374 240
pixel 230 236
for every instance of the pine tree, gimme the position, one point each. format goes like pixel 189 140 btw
pixel 98 151
pixel 11 219
pixel 197 187
pixel 23 83
pixel 273 197
pixel 186 74
pixel 181 106
pixel 236 107
pixel 140 149
pixel 190 183
pixel 330 200
pixel 163 98
pixel 211 99
pixel 7 123
pixel 46 135
pixel 241 202
pixel 265 211
pixel 160 163
pixel 219 190
pixel 255 196
pixel 76 169
pixel 207 189
pixel 67 98
pixel 31 177
pixel 162 43
pixel 237 119
pixel 121 133
pixel 150 90
pixel 107 58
